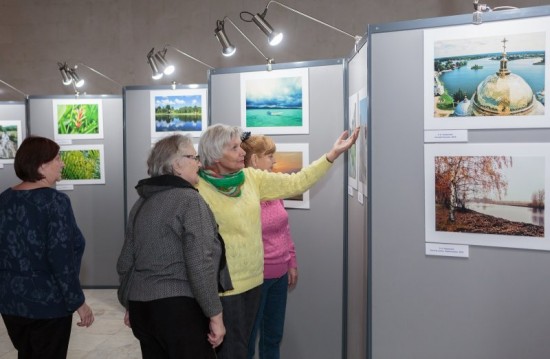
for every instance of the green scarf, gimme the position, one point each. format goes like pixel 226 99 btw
pixel 229 185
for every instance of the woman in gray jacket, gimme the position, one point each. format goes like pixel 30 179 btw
pixel 176 259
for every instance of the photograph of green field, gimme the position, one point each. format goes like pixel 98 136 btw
pixel 82 164
pixel 78 119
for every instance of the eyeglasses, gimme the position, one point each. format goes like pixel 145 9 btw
pixel 196 158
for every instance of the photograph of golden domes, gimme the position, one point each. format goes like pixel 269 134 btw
pixel 500 75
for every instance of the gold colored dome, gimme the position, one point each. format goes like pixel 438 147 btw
pixel 504 94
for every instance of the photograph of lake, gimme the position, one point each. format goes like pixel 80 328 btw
pixel 178 111
pixel 500 75
pixel 275 102
pixel 488 194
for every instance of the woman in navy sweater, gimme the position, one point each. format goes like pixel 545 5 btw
pixel 41 249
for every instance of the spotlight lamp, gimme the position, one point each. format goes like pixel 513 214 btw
pixel 153 63
pixel 275 37
pixel 227 48
pixel 69 75
pixel 160 56
pixel 64 70
pixel 158 61
pixel 219 32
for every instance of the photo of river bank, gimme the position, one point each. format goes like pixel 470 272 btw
pixel 469 221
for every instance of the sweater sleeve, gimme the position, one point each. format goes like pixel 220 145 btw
pixel 126 257
pixel 64 252
pixel 282 185
pixel 200 237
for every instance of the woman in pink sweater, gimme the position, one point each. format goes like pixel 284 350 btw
pixel 280 269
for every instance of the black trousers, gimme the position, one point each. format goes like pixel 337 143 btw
pixel 171 328
pixel 239 315
pixel 39 338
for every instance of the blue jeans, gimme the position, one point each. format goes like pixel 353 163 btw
pixel 270 320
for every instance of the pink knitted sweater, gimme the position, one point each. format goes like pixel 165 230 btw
pixel 279 252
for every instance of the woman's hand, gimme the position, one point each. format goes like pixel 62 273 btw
pixel 86 315
pixel 127 319
pixel 217 330
pixel 292 278
pixel 342 144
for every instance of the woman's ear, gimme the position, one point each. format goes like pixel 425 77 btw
pixel 253 160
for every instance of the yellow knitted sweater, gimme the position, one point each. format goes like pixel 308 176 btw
pixel 239 217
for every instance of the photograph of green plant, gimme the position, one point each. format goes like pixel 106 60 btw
pixel 82 164
pixel 77 119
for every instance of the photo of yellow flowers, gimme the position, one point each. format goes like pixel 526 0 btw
pixel 83 164
pixel 77 119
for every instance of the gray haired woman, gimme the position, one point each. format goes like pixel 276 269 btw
pixel 234 194
pixel 175 257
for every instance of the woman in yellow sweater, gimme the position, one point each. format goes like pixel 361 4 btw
pixel 234 194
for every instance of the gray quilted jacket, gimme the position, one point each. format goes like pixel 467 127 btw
pixel 174 245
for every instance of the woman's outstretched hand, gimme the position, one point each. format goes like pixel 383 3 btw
pixel 342 144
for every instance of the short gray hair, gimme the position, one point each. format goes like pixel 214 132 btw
pixel 164 152
pixel 213 141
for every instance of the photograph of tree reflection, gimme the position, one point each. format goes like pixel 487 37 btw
pixel 181 111
pixel 290 158
pixel 275 102
pixel 77 119
pixel 82 164
pixel 502 195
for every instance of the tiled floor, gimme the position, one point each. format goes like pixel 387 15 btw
pixel 107 338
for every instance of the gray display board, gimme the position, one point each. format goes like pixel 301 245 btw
pixel 137 114
pixel 11 112
pixel 313 327
pixel 357 251
pixel 98 208
pixel 492 304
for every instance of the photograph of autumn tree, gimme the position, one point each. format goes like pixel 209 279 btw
pixel 502 195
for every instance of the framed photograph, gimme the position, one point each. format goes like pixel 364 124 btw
pixel 488 194
pixel 362 141
pixel 10 140
pixel 77 119
pixel 182 111
pixel 353 121
pixel 291 158
pixel 84 164
pixel 491 79
pixel 275 102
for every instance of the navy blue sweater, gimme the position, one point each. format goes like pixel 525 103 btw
pixel 41 250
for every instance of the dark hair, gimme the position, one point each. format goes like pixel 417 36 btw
pixel 33 153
